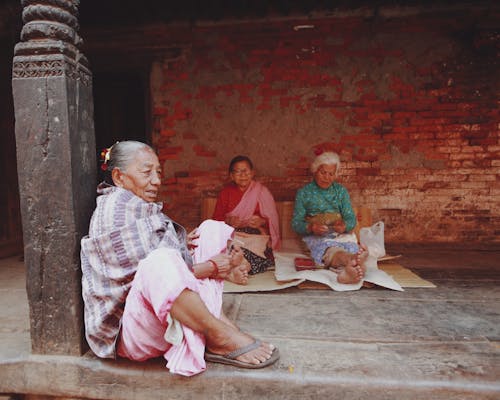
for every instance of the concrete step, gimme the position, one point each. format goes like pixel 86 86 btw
pixel 308 370
pixel 441 343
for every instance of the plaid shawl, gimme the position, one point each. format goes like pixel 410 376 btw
pixel 123 230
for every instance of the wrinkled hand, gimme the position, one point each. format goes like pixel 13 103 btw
pixel 191 240
pixel 339 226
pixel 256 221
pixel 223 262
pixel 318 229
pixel 235 222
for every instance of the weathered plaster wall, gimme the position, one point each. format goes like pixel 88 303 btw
pixel 410 103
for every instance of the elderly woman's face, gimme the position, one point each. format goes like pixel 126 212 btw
pixel 142 176
pixel 325 175
pixel 242 174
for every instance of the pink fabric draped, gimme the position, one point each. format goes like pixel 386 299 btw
pixel 255 194
pixel 159 280
pixel 213 236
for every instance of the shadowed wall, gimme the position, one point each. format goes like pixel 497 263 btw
pixel 410 102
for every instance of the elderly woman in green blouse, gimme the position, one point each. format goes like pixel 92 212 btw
pixel 323 215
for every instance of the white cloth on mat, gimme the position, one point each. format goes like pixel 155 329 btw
pixel 285 270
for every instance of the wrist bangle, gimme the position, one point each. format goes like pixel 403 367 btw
pixel 216 269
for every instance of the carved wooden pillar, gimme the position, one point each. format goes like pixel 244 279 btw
pixel 52 88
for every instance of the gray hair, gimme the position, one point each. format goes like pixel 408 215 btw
pixel 328 158
pixel 121 154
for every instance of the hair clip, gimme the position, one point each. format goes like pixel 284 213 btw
pixel 105 153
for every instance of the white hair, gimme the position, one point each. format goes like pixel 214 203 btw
pixel 121 154
pixel 328 158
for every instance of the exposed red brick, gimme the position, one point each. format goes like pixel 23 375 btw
pixel 168 132
pixel 368 171
pixel 169 153
pixel 160 111
pixel 189 135
pixel 416 127
pixel 202 152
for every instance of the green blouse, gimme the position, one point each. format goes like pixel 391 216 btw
pixel 312 200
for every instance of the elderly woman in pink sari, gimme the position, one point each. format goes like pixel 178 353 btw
pixel 150 289
pixel 249 207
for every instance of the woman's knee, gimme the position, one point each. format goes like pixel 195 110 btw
pixel 164 268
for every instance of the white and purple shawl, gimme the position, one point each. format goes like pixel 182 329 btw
pixel 123 230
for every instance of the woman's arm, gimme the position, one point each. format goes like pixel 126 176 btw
pixel 348 215
pixel 299 223
pixel 217 267
pixel 221 206
pixel 204 270
pixel 224 205
pixel 265 211
pixel 257 222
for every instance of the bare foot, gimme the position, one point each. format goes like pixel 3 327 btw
pixel 228 339
pixel 352 273
pixel 239 274
pixel 350 268
pixel 361 256
pixel 341 259
pixel 236 256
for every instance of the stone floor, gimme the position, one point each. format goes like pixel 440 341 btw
pixel 372 344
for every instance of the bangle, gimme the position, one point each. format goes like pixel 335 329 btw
pixel 216 269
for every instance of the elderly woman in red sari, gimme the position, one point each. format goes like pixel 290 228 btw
pixel 249 207
pixel 150 289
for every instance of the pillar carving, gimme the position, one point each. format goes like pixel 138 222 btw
pixel 50 42
pixel 52 89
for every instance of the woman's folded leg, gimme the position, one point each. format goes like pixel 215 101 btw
pixel 163 286
pixel 160 279
pixel 221 338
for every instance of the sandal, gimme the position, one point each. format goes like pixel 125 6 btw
pixel 230 358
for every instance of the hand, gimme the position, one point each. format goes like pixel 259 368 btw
pixel 256 221
pixel 223 262
pixel 339 226
pixel 318 229
pixel 192 238
pixel 235 222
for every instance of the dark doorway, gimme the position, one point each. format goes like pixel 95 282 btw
pixel 121 102
pixel 11 233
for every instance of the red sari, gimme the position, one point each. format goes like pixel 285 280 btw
pixel 255 200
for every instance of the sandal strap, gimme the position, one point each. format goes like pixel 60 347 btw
pixel 242 350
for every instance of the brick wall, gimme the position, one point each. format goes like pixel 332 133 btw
pixel 409 101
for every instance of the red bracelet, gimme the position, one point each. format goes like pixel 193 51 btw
pixel 216 269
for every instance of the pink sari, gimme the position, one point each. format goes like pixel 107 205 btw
pixel 159 280
pixel 255 194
